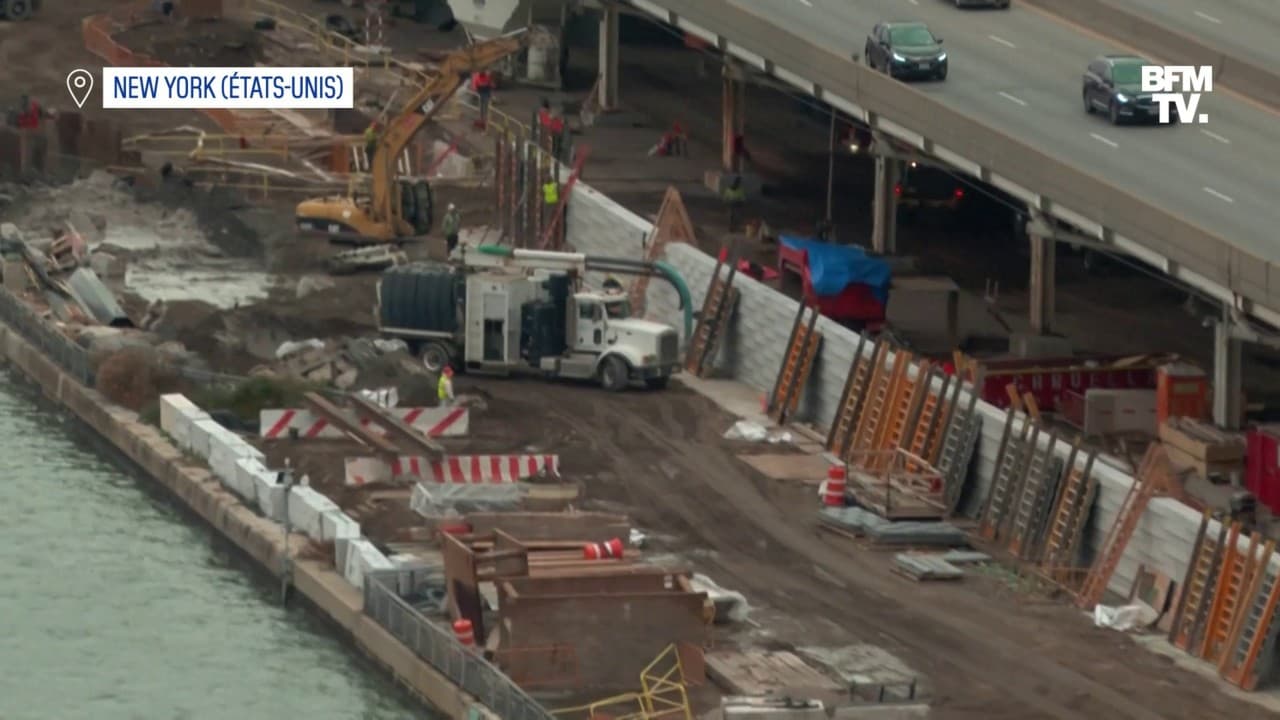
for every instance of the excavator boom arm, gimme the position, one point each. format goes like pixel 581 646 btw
pixel 423 105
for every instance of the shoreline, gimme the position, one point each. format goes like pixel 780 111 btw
pixel 261 539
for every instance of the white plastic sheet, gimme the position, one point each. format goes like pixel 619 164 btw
pixel 437 500
pixel 755 432
pixel 1125 617
pixel 731 606
pixel 290 347
pixel 387 397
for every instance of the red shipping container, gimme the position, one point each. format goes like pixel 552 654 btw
pixel 1048 378
pixel 1262 466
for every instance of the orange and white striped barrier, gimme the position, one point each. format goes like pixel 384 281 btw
pixel 608 550
pixel 434 421
pixel 452 469
pixel 833 488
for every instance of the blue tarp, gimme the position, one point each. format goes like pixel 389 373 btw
pixel 832 268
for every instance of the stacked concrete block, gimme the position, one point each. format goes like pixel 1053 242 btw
pixel 336 525
pixel 177 416
pixel 305 508
pixel 225 450
pixel 202 431
pixel 244 480
pixel 363 558
pixel 268 493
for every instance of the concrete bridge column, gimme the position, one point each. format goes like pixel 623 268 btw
pixel 1227 374
pixel 733 112
pixel 608 62
pixel 1042 288
pixel 884 228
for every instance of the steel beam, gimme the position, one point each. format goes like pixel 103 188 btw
pixel 884 229
pixel 1227 374
pixel 1042 287
pixel 608 62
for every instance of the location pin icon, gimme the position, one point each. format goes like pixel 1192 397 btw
pixel 79 84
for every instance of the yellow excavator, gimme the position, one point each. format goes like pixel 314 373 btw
pixel 396 207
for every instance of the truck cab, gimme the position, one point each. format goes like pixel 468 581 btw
pixel 611 345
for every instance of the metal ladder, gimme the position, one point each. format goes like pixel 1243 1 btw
pixel 1256 630
pixel 1030 502
pixel 851 398
pixel 1233 578
pixel 932 407
pixel 1152 477
pixel 802 350
pixel 1242 615
pixel 1202 574
pixel 1002 485
pixel 914 395
pixel 874 407
pixel 715 306
pixel 1068 519
pixel 897 406
pixel 955 446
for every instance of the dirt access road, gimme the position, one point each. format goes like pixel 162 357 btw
pixel 987 651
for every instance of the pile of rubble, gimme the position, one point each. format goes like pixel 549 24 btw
pixel 352 363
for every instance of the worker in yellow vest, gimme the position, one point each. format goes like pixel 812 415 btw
pixel 444 388
pixel 551 194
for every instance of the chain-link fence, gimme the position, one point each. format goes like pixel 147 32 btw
pixel 61 349
pixel 436 645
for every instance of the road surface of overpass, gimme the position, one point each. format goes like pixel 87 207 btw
pixel 1198 202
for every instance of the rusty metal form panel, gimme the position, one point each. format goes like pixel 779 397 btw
pixel 1258 632
pixel 1067 521
pixel 713 322
pixel 1197 586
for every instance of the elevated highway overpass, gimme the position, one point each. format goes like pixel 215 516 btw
pixel 1197 202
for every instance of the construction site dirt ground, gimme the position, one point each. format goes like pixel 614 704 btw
pixel 986 646
pixel 990 646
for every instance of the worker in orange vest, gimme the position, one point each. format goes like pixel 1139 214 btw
pixel 482 83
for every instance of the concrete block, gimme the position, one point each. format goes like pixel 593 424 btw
pixel 336 525
pixel 177 413
pixel 305 508
pixel 268 495
pixel 244 482
pixel 200 434
pixel 363 558
pixel 225 448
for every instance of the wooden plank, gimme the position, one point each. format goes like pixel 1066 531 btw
pixel 414 441
pixel 807 469
pixel 349 424
pixel 764 672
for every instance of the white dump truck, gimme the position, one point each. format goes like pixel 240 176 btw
pixel 503 310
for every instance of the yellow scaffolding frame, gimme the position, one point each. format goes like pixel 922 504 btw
pixel 662 695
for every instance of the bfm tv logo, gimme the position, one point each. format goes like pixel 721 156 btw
pixel 1160 81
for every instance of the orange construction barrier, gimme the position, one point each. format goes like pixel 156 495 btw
pixel 463 631
pixel 1181 391
pixel 610 550
pixel 833 494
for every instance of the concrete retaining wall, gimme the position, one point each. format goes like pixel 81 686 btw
pixel 259 537
pixel 752 354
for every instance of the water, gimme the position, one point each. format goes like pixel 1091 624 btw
pixel 115 604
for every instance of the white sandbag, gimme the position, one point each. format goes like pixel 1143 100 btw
pixel 305 507
pixel 241 481
pixel 175 407
pixel 201 431
pixel 225 450
pixel 336 525
pixel 268 495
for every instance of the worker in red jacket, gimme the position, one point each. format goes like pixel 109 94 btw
pixel 482 83
pixel 29 114
pixel 555 126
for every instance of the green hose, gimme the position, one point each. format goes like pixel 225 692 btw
pixel 686 300
pixel 495 250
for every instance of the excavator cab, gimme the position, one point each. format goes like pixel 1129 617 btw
pixel 394 207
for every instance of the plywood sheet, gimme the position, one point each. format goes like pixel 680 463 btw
pixel 763 672
pixel 807 469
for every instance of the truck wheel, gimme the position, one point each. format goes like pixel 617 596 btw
pixel 613 374
pixel 435 355
pixel 15 9
pixel 657 383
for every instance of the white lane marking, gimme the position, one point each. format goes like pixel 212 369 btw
pixel 1002 41
pixel 1104 141
pixel 1218 195
pixel 1012 98
pixel 914 2
pixel 1216 136
pixel 806 3
pixel 1209 18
